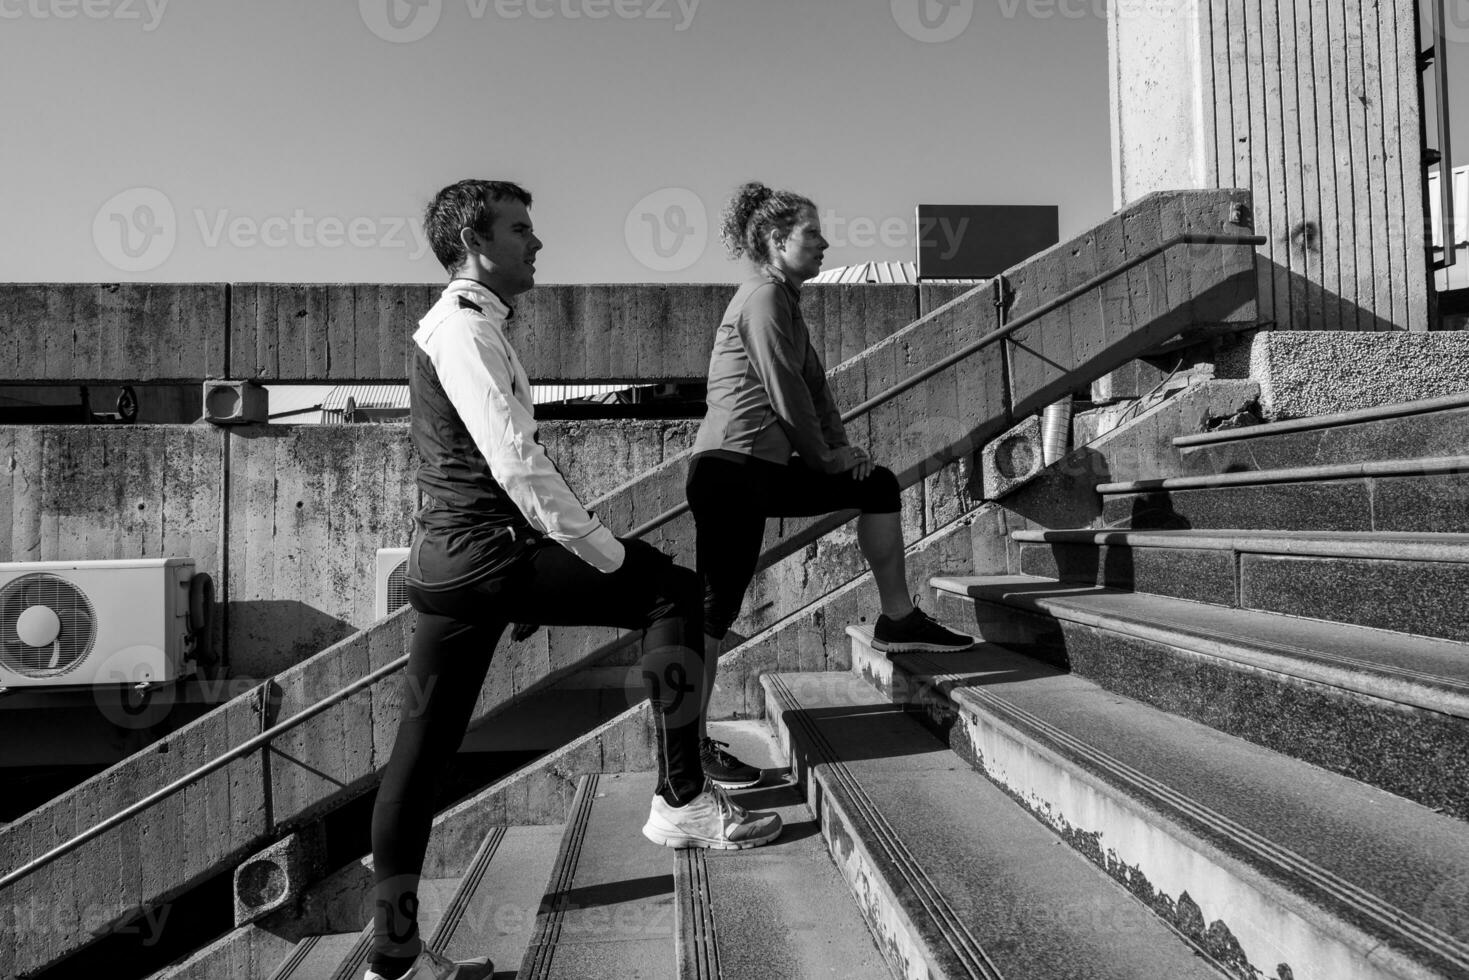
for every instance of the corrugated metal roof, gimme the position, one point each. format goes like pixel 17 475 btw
pixel 902 273
pixel 334 404
pixel 365 396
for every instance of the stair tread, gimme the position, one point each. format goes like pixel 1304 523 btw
pixel 496 915
pixel 1358 416
pixel 1391 848
pixel 1378 545
pixel 1035 908
pixel 613 915
pixel 1427 672
pixel 315 956
pixel 782 911
pixel 1418 466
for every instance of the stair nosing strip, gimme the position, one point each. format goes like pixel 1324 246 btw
pixel 1421 934
pixel 542 945
pixel 468 885
pixel 1245 542
pixel 356 958
pixel 698 937
pixel 1426 406
pixel 1432 466
pixel 958 937
pixel 298 954
pixel 1173 634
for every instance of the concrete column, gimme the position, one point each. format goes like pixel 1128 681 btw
pixel 1315 106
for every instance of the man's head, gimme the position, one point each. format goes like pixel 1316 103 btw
pixel 481 229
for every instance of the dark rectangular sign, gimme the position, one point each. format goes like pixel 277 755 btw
pixel 977 241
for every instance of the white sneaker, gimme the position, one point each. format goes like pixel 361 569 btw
pixel 710 819
pixel 432 966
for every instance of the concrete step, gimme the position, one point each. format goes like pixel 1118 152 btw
pixel 316 956
pixel 1276 867
pixel 490 911
pixel 778 912
pixel 1386 708
pixel 1427 427
pixel 608 910
pixel 953 878
pixel 1411 583
pixel 434 897
pixel 1414 495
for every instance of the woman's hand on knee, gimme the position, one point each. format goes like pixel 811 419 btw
pixel 856 461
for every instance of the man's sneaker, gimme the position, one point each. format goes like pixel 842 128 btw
pixel 710 819
pixel 432 966
pixel 723 769
pixel 917 632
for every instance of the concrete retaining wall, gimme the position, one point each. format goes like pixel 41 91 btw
pixel 313 332
pixel 287 519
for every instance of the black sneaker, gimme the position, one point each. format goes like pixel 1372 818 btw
pixel 917 632
pixel 723 769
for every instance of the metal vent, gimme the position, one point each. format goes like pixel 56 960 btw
pixel 68 638
pixel 397 591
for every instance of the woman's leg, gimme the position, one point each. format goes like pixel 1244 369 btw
pixel 729 525
pixel 880 536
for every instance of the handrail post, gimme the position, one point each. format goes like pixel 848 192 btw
pixel 1003 296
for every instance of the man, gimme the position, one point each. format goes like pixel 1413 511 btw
pixel 502 537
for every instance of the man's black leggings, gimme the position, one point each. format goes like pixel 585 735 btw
pixel 730 499
pixel 452 646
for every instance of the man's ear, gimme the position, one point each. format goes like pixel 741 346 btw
pixel 467 236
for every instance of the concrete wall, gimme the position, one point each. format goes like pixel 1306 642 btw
pixel 294 332
pixel 287 519
pixel 1315 106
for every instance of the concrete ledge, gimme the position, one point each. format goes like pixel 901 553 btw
pixel 1320 372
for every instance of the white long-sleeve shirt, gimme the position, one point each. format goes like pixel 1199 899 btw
pixel 489 389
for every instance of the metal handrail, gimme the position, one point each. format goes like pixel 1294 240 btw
pixel 264 737
pixel 1445 141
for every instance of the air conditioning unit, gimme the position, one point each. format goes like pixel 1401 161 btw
pixel 392 565
pixel 66 623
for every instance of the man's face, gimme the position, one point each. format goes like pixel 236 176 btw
pixel 509 252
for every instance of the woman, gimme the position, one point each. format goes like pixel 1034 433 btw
pixel 772 444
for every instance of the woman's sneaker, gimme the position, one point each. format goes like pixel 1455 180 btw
pixel 432 966
pixel 723 769
pixel 915 633
pixel 710 819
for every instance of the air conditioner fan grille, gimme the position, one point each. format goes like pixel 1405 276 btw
pixel 397 590
pixel 73 643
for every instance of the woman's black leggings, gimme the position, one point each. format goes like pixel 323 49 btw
pixel 730 499
pixel 453 643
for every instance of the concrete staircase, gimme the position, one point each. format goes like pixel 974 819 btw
pixel 336 754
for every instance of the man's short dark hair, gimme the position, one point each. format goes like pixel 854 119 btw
pixel 467 204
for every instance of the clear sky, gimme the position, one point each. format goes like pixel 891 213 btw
pixel 297 140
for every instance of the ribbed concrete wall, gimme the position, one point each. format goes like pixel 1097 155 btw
pixel 293 332
pixel 1315 106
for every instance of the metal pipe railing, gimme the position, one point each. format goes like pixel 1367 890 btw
pixel 264 737
pixel 1440 53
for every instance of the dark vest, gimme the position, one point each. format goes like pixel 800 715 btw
pixel 452 470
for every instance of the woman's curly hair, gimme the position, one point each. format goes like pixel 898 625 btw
pixel 753 212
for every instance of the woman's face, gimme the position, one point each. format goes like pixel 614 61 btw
pixel 799 255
